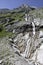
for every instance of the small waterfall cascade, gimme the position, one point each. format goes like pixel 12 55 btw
pixel 27 48
pixel 26 52
pixel 28 42
pixel 33 28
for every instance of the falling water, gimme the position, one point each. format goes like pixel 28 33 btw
pixel 26 52
pixel 33 28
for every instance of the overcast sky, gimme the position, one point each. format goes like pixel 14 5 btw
pixel 16 3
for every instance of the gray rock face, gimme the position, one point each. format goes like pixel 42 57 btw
pixel 26 48
pixel 28 45
pixel 8 56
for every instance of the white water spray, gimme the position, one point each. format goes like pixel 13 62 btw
pixel 26 52
pixel 33 28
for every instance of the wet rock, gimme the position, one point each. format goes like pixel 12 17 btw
pixel 37 21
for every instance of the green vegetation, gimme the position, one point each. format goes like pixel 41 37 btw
pixel 14 15
pixel 3 33
pixel 37 13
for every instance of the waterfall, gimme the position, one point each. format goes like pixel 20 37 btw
pixel 33 28
pixel 26 52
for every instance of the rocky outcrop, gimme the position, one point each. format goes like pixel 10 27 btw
pixel 27 44
pixel 24 48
